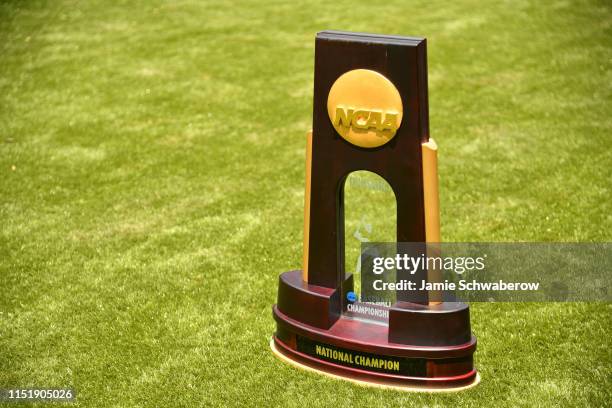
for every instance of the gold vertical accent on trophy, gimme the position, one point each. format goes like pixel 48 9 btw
pixel 432 212
pixel 307 206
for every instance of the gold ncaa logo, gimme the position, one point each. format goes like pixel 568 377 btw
pixel 365 108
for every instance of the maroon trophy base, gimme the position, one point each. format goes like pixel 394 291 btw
pixel 422 347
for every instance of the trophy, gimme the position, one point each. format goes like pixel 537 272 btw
pixel 371 113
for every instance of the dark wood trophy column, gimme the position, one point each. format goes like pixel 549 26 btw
pixel 370 113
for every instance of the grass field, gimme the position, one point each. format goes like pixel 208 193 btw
pixel 152 175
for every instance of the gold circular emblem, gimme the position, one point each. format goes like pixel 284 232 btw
pixel 365 108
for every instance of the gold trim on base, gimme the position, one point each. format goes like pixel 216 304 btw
pixel 375 384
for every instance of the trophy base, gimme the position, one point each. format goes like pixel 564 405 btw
pixel 424 348
pixel 304 364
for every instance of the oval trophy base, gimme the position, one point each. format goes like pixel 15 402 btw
pixel 423 348
pixel 363 378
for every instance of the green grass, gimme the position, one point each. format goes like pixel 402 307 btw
pixel 151 190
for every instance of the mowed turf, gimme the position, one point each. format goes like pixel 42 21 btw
pixel 152 176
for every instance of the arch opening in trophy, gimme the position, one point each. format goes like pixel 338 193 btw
pixel 370 215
